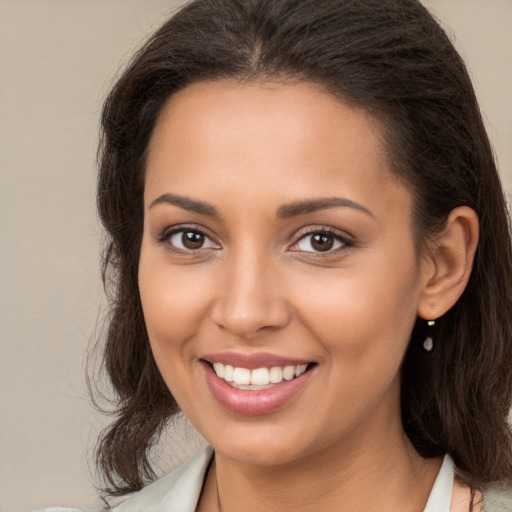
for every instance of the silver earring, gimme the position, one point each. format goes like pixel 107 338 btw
pixel 428 344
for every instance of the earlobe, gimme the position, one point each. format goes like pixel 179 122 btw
pixel 450 261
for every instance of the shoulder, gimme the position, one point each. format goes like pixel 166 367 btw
pixel 495 499
pixel 498 499
pixel 176 492
pixel 63 509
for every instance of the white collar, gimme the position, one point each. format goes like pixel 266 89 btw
pixel 176 492
pixel 441 495
pixel 179 491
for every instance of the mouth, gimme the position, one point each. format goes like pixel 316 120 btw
pixel 257 378
pixel 256 385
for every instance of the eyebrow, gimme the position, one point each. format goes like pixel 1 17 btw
pixel 309 206
pixel 285 211
pixel 192 205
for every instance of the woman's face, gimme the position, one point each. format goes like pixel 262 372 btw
pixel 275 237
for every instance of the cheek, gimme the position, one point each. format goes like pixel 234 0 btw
pixel 173 305
pixel 170 294
pixel 361 323
pixel 174 301
pixel 365 313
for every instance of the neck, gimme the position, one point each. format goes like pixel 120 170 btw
pixel 372 473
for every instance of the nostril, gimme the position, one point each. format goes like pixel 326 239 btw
pixel 247 319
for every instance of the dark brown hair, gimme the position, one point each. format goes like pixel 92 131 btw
pixel 391 58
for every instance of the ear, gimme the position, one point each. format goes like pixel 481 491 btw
pixel 448 262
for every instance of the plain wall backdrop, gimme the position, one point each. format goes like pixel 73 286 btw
pixel 57 60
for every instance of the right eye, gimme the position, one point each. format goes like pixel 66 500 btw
pixel 189 240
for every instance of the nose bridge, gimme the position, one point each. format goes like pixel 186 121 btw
pixel 250 299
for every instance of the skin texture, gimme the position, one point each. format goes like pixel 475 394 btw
pixel 461 498
pixel 257 285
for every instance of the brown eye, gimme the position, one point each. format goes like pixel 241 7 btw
pixel 192 239
pixel 320 241
pixel 186 240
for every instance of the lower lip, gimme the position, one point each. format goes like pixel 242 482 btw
pixel 250 402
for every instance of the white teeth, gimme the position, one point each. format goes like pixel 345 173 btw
pixel 288 372
pixel 242 376
pixel 251 387
pixel 300 369
pixel 228 373
pixel 219 369
pixel 276 375
pixel 259 378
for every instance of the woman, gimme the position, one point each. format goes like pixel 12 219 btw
pixel 309 255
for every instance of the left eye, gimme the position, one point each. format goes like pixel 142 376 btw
pixel 319 242
pixel 190 240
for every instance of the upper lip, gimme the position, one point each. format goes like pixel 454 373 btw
pixel 253 361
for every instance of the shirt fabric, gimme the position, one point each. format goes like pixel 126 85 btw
pixel 179 490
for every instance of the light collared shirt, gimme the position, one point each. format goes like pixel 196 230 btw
pixel 179 491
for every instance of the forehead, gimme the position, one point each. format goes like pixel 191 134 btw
pixel 283 140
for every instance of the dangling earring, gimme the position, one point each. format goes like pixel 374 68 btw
pixel 428 344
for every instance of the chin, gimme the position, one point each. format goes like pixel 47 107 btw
pixel 261 443
pixel 259 453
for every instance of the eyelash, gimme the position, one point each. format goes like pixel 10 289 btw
pixel 344 242
pixel 167 235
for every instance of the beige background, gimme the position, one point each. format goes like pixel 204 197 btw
pixel 57 59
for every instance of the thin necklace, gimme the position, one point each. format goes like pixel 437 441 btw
pixel 219 506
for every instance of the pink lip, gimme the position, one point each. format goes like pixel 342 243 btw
pixel 252 361
pixel 253 403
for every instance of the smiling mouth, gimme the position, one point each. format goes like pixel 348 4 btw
pixel 258 378
pixel 256 384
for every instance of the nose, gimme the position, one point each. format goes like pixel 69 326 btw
pixel 251 299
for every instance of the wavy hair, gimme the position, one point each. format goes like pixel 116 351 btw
pixel 392 59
